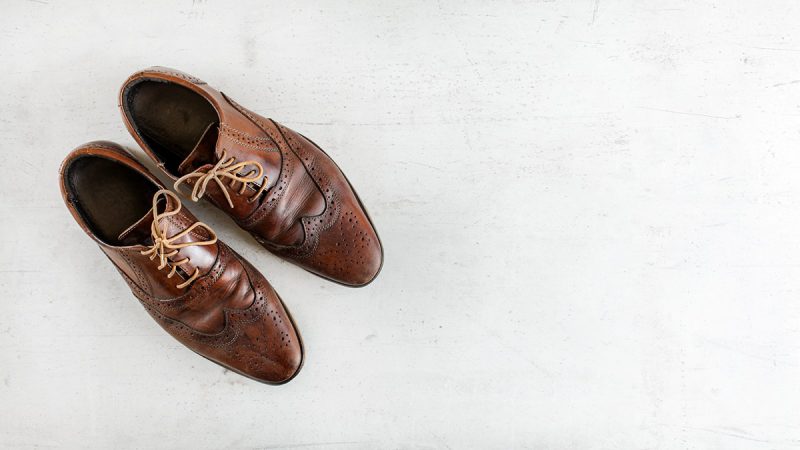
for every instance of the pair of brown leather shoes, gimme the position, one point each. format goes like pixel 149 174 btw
pixel 272 181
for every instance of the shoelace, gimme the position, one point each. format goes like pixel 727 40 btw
pixel 165 247
pixel 225 168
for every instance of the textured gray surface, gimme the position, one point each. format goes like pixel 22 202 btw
pixel 589 210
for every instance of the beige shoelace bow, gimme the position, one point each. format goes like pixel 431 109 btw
pixel 225 168
pixel 165 247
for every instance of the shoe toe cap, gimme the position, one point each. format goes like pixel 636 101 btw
pixel 281 364
pixel 349 253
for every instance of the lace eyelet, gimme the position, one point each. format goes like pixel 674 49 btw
pixel 224 168
pixel 162 244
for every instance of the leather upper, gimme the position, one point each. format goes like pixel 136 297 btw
pixel 308 212
pixel 229 313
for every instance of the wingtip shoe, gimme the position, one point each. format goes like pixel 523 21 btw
pixel 275 183
pixel 193 285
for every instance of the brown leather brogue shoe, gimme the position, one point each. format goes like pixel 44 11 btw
pixel 197 288
pixel 272 181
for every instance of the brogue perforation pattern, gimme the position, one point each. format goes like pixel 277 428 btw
pixel 182 76
pixel 235 320
pixel 312 226
pixel 264 144
pixel 279 189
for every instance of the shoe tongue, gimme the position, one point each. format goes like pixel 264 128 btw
pixel 139 233
pixel 204 152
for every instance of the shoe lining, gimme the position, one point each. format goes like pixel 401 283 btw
pixel 110 196
pixel 169 117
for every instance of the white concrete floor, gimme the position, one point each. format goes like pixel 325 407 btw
pixel 590 211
